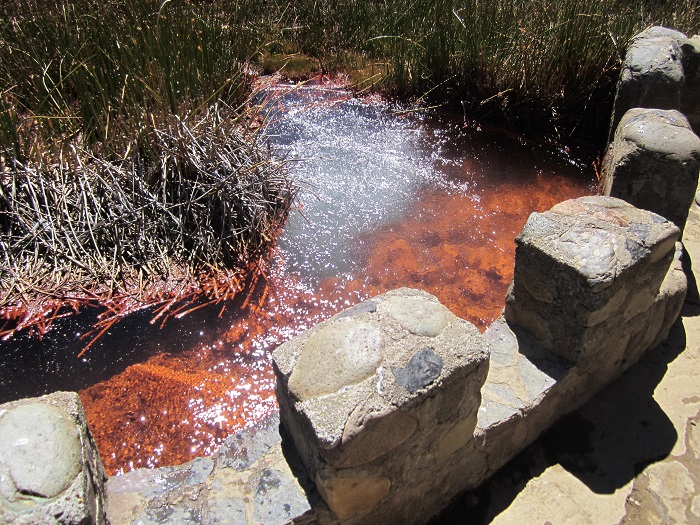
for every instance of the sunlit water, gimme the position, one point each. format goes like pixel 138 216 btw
pixel 391 197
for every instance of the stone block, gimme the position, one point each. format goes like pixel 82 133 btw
pixel 653 163
pixel 652 73
pixel 400 409
pixel 586 258
pixel 50 470
pixel 529 388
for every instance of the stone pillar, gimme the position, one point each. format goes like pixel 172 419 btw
pixel 588 274
pixel 652 73
pixel 50 470
pixel 653 163
pixel 381 401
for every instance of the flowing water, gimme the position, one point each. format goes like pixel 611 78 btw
pixel 391 197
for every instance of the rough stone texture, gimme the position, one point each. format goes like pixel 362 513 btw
pixel 690 97
pixel 422 369
pixel 352 495
pixel 586 276
pixel 34 437
pixel 50 471
pixel 596 467
pixel 653 74
pixel 653 163
pixel 528 387
pixel 376 447
pixel 380 453
pixel 344 354
pixel 251 479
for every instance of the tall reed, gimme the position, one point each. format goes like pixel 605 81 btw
pixel 548 64
pixel 109 70
pixel 156 91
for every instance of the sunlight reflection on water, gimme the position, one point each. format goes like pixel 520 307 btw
pixel 390 197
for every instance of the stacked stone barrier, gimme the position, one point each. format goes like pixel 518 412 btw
pixel 661 70
pixel 653 162
pixel 396 405
pixel 381 400
pixel 598 283
pixel 586 275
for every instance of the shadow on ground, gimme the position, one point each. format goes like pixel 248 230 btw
pixel 605 444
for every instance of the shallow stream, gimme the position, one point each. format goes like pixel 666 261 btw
pixel 391 196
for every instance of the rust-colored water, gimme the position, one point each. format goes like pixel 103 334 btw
pixel 451 233
pixel 174 407
pixel 391 199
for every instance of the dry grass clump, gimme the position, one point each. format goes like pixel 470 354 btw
pixel 126 175
pixel 135 232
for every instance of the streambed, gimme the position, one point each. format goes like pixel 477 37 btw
pixel 391 197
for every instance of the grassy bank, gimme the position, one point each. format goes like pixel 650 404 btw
pixel 544 64
pixel 128 176
pixel 110 70
pixel 127 168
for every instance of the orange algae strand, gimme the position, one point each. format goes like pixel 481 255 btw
pixel 173 408
pixel 462 249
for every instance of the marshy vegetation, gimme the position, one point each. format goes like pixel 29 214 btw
pixel 547 65
pixel 129 176
pixel 130 169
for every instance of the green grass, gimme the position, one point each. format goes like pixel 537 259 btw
pixel 108 71
pixel 111 70
pixel 293 66
pixel 550 65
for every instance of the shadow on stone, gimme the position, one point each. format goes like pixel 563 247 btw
pixel 605 444
pixel 290 454
pixel 547 362
pixel 692 298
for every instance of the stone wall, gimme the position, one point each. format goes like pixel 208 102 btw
pixel 378 400
pixel 393 437
pixel 396 405
pixel 653 157
pixel 653 163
